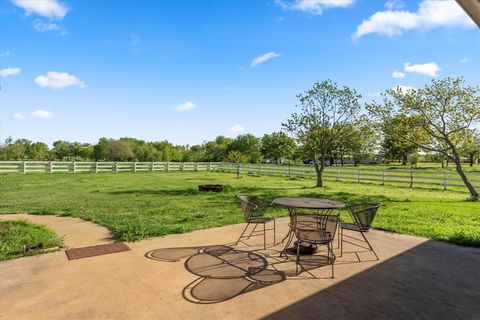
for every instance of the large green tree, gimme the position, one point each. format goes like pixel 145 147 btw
pixel 277 147
pixel 119 150
pixel 39 151
pixel 444 110
pixel 248 145
pixel 325 115
pixel 217 149
pixel 62 150
pixel 398 139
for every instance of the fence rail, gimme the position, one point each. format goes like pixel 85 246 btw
pixel 408 178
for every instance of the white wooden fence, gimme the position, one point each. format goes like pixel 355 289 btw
pixel 100 166
pixel 410 178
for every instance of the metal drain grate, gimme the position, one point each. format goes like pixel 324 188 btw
pixel 80 253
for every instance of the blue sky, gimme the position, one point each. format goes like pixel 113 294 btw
pixel 187 71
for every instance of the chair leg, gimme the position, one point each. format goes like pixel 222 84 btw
pixel 274 231
pixel 369 245
pixel 264 238
pixel 338 237
pixel 254 228
pixel 341 242
pixel 298 256
pixel 242 233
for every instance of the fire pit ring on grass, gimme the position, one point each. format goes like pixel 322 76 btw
pixel 210 187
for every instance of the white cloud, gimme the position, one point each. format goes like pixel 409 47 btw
pixel 465 60
pixel 52 9
pixel 49 26
pixel 42 26
pixel 18 116
pixel 404 89
pixel 429 69
pixel 313 6
pixel 58 80
pixel 394 4
pixel 398 74
pixel 41 114
pixel 7 72
pixel 186 106
pixel 236 129
pixel 264 57
pixel 430 14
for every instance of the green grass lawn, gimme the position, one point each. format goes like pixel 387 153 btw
pixel 15 234
pixel 141 205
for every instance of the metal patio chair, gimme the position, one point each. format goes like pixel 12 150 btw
pixel 253 210
pixel 316 229
pixel 362 216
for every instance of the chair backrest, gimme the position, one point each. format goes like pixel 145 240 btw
pixel 252 207
pixel 363 214
pixel 323 224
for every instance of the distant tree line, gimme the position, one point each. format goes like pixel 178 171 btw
pixel 277 147
pixel 439 122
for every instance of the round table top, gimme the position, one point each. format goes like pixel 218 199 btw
pixel 309 203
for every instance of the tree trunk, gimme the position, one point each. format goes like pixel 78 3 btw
pixel 341 160
pixel 458 164
pixel 471 159
pixel 404 160
pixel 319 170
pixel 238 171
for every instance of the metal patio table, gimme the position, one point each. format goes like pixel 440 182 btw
pixel 319 206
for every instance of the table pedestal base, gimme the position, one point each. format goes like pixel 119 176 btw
pixel 305 248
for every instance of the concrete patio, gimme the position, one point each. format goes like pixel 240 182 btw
pixel 416 278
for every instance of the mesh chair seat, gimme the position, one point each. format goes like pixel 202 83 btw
pixel 313 236
pixel 353 227
pixel 261 220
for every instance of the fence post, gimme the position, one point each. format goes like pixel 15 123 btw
pixel 115 168
pixel 411 178
pixel 383 177
pixel 196 167
pixel 50 167
pixel 444 180
pixel 303 171
pixel 338 176
pixel 209 166
pixel 274 169
pixel 182 166
pixel 168 166
pixel 96 166
pixel 24 167
pixel 134 166
pixel 74 166
pixel 152 167
pixel 358 176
